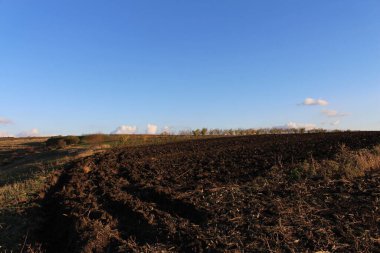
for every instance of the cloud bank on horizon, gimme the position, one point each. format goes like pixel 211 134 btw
pixel 294 125
pixel 30 133
pixel 5 134
pixel 153 128
pixel 125 129
pixel 128 129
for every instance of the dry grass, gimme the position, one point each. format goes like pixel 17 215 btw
pixel 21 192
pixel 17 197
pixel 25 166
pixel 347 164
pixel 368 160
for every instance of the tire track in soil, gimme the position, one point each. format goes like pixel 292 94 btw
pixel 52 232
pixel 145 225
pixel 167 203
pixel 150 216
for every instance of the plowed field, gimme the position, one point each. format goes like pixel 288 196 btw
pixel 213 195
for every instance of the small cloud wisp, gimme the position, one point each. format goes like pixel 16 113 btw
pixel 313 101
pixel 32 133
pixel 333 113
pixel 4 121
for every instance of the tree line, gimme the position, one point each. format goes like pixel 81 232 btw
pixel 250 131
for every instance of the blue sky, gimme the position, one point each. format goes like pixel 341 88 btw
pixel 74 67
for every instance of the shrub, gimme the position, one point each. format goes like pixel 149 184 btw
pixel 93 138
pixel 71 140
pixel 376 150
pixel 61 142
pixel 55 142
pixel 330 169
pixel 295 174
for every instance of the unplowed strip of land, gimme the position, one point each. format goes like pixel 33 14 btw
pixel 216 195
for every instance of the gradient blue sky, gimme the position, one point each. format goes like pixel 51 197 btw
pixel 73 67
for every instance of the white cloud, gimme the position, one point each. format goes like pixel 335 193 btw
pixel 151 129
pixel 312 101
pixel 335 123
pixel 294 125
pixel 125 129
pixel 330 113
pixel 4 121
pixel 5 134
pixel 333 113
pixel 166 130
pixel 32 133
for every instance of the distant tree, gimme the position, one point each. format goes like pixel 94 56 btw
pixel 259 131
pixel 275 131
pixel 249 131
pixel 240 131
pixel 294 130
pixel 212 132
pixel 166 131
pixel 185 132
pixel 196 132
pixel 215 131
pixel 317 130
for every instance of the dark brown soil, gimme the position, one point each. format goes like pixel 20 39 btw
pixel 214 195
